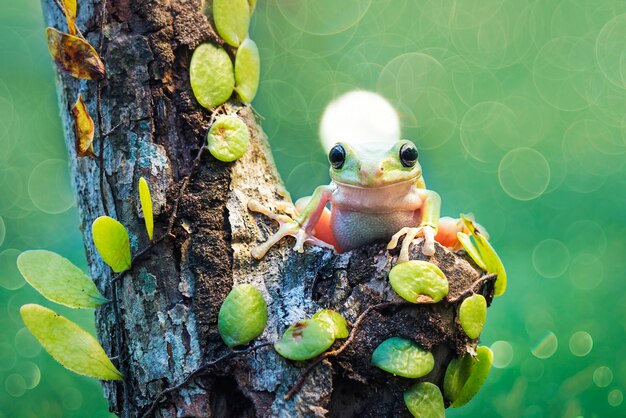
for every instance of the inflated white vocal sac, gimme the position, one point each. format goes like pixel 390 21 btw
pixel 360 118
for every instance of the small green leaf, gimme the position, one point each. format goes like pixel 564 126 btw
pixel 466 375
pixel 57 279
pixel 335 321
pixel 69 344
pixel 472 315
pixel 211 75
pixel 424 399
pixel 146 206
pixel 247 70
pixel 419 281
pixel 228 138
pixel 305 340
pixel 469 248
pixel 403 357
pixel 488 254
pixel 232 18
pixel 243 315
pixel 111 240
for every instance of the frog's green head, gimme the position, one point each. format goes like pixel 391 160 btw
pixel 374 167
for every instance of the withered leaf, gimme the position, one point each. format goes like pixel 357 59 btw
pixel 75 56
pixel 70 15
pixel 83 129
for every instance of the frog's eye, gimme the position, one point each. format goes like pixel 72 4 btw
pixel 408 155
pixel 337 156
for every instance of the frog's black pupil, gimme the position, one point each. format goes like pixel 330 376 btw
pixel 408 155
pixel 337 156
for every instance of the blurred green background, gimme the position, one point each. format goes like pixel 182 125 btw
pixel 519 110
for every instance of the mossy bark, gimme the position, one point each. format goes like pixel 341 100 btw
pixel 163 325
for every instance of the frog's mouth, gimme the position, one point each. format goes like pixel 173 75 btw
pixel 381 185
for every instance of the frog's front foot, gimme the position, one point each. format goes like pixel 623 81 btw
pixel 428 249
pixel 287 227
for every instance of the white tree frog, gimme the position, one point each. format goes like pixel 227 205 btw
pixel 375 195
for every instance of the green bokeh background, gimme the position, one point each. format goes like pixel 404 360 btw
pixel 519 110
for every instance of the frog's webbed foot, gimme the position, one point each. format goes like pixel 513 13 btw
pixel 410 234
pixel 287 227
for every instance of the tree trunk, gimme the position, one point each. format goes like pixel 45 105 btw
pixel 162 323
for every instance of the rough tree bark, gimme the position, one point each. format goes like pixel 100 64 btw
pixel 162 324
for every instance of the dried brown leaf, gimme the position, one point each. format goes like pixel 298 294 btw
pixel 83 128
pixel 75 56
pixel 70 15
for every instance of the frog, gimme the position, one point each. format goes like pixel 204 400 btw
pixel 375 194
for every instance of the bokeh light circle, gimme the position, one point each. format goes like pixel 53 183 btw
pixel 596 149
pixel 409 75
pixel 611 51
pixel 586 271
pixel 15 385
pixel 26 344
pixel 486 130
pixel 580 343
pixel 524 173
pixel 359 117
pixel 323 17
pixel 602 376
pixel 3 231
pixel 10 277
pixel 30 372
pixel 546 346
pixel 72 399
pixel 49 187
pixel 502 354
pixel 615 398
pixel 565 74
pixel 7 357
pixel 551 258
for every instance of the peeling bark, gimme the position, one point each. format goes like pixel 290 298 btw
pixel 166 324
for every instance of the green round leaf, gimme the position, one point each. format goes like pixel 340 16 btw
pixel 472 315
pixel 425 400
pixel 111 240
pixel 403 357
pixel 243 315
pixel 335 321
pixel 211 75
pixel 228 138
pixel 69 344
pixel 57 279
pixel 466 375
pixel 305 340
pixel 419 281
pixel 146 206
pixel 247 70
pixel 232 18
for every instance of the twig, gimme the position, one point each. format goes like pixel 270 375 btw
pixel 298 385
pixel 105 204
pixel 139 255
pixel 194 166
pixel 101 35
pixel 62 9
pixel 202 369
